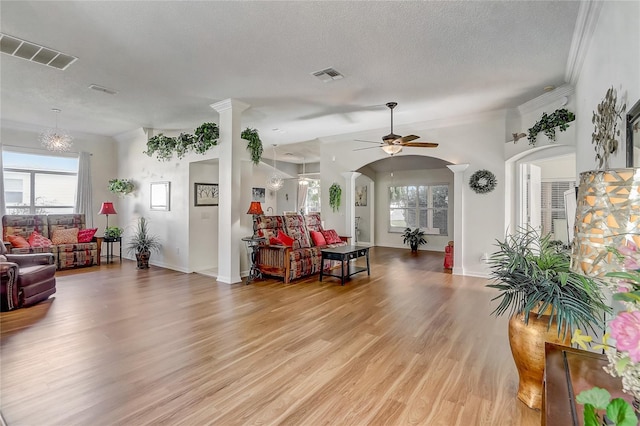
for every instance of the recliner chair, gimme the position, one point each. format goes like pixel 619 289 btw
pixel 25 279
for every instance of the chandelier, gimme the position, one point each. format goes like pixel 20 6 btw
pixel 303 178
pixel 58 140
pixel 275 181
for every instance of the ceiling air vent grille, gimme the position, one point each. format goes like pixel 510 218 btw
pixel 328 75
pixel 34 52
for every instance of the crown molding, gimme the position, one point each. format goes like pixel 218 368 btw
pixel 565 90
pixel 588 14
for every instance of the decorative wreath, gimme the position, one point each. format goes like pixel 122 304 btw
pixel 483 181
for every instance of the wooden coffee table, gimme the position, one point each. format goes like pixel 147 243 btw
pixel 345 254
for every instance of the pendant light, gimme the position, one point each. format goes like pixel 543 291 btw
pixel 58 140
pixel 275 181
pixel 303 180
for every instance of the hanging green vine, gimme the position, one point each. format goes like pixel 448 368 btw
pixel 560 118
pixel 255 144
pixel 335 192
pixel 205 137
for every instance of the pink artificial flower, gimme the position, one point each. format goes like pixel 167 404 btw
pixel 632 256
pixel 625 328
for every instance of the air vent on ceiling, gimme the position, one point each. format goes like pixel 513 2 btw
pixel 327 75
pixel 34 52
pixel 102 89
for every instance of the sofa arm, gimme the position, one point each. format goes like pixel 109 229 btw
pixel 274 260
pixel 9 292
pixel 24 260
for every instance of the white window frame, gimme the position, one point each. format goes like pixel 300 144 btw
pixel 430 230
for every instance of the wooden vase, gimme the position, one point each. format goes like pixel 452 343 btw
pixel 527 347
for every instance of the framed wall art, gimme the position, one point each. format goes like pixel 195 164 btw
pixel 160 196
pixel 205 194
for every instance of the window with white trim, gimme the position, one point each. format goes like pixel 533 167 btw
pixel 423 206
pixel 38 183
pixel 552 204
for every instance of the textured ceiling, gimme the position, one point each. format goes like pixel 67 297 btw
pixel 170 60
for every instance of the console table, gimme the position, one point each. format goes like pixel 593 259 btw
pixel 345 254
pixel 569 371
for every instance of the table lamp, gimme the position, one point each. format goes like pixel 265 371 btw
pixel 107 209
pixel 255 209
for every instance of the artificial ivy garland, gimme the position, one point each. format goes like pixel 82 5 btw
pixel 483 181
pixel 560 118
pixel 121 186
pixel 205 137
pixel 335 192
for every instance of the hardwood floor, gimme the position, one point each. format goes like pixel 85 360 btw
pixel 118 346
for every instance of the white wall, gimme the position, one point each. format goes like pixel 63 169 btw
pixel 365 227
pixel 611 60
pixel 203 220
pixel 104 165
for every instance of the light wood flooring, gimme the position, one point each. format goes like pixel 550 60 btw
pixel 119 346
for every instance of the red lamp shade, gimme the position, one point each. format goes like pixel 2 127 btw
pixel 107 208
pixel 255 208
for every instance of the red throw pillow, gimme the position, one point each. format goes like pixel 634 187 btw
pixel 37 240
pixel 18 241
pixel 86 235
pixel 285 239
pixel 331 236
pixel 318 238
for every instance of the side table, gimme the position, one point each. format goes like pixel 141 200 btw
pixel 252 250
pixel 109 241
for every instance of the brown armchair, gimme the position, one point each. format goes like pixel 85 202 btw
pixel 25 279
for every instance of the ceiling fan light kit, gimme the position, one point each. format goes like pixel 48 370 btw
pixel 392 143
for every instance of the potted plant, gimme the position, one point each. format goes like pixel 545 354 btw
pixel 414 238
pixel 255 144
pixel 545 299
pixel 560 118
pixel 335 192
pixel 121 187
pixel 113 232
pixel 142 244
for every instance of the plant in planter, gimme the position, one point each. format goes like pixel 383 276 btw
pixel 255 144
pixel 206 136
pixel 142 244
pixel 545 299
pixel 112 232
pixel 161 145
pixel 335 192
pixel 121 187
pixel 560 118
pixel 414 238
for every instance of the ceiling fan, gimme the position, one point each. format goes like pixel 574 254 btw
pixel 392 143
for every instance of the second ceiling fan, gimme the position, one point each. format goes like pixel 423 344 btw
pixel 392 143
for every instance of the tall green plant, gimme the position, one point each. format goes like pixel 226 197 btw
pixel 532 272
pixel 141 241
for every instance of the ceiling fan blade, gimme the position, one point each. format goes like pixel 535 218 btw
pixel 420 144
pixel 409 138
pixel 369 147
pixel 362 140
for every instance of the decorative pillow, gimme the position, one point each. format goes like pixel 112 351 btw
pixel 37 240
pixel 331 236
pixel 286 240
pixel 318 238
pixel 86 235
pixel 65 236
pixel 18 241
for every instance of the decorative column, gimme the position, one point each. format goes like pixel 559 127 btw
pixel 349 203
pixel 458 209
pixel 231 151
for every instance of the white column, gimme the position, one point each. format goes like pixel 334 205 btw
pixel 231 151
pixel 458 209
pixel 349 203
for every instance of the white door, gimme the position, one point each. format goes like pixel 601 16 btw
pixel 529 196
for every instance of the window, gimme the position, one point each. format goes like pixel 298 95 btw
pixel 312 202
pixel 552 205
pixel 425 206
pixel 39 184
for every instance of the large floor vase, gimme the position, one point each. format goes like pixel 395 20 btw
pixel 527 347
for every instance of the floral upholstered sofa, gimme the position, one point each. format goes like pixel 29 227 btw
pixel 60 232
pixel 303 257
